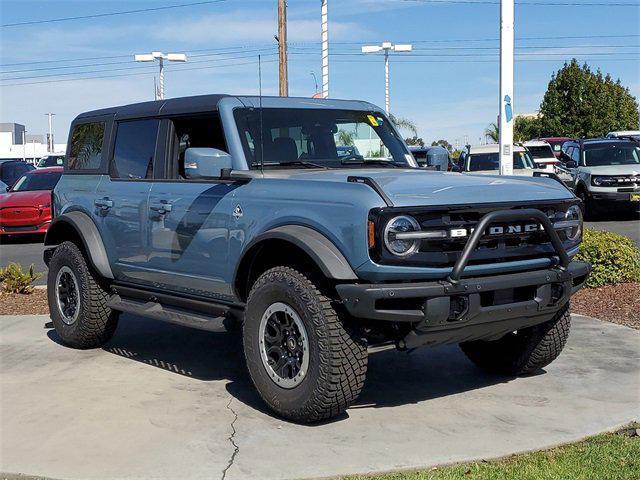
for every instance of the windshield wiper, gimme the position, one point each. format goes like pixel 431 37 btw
pixel 304 163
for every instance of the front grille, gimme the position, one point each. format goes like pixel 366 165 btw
pixel 516 240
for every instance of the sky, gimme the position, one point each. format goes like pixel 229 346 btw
pixel 448 86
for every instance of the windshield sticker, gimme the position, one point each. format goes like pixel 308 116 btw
pixel 373 121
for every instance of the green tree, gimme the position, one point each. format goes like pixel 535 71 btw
pixel 442 143
pixel 493 132
pixel 345 138
pixel 404 124
pixel 526 128
pixel 583 103
pixel 414 141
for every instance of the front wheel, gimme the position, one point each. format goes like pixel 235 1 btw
pixel 523 351
pixel 305 362
pixel 77 300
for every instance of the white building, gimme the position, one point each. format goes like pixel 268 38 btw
pixel 15 143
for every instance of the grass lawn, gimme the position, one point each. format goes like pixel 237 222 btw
pixel 610 456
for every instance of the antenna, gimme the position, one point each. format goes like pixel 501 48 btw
pixel 260 100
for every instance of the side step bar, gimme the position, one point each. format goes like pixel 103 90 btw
pixel 181 311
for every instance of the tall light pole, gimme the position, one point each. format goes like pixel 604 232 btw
pixel 24 145
pixel 506 87
pixel 161 57
pixel 325 49
pixel 50 139
pixel 386 47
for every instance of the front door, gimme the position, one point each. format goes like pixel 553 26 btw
pixel 121 199
pixel 188 220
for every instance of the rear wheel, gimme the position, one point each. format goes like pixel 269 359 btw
pixel 77 300
pixel 524 351
pixel 305 362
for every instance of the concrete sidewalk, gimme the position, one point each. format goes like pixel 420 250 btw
pixel 165 402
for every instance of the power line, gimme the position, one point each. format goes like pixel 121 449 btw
pixel 110 14
pixel 175 70
pixel 528 3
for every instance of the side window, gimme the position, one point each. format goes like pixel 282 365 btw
pixel 575 155
pixel 135 149
pixel 86 146
pixel 201 131
pixel 567 153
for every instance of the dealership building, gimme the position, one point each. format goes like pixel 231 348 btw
pixel 16 143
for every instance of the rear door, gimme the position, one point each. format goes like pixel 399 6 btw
pixel 565 173
pixel 121 199
pixel 188 220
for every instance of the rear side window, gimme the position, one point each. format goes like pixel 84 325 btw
pixel 135 149
pixel 86 146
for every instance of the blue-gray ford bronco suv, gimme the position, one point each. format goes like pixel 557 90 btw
pixel 214 210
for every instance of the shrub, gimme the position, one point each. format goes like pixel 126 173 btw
pixel 14 280
pixel 613 258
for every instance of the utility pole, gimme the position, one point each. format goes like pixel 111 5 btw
pixel 506 87
pixel 50 139
pixel 386 47
pixel 161 57
pixel 325 49
pixel 282 48
pixel 24 145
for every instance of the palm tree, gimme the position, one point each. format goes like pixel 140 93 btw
pixel 493 132
pixel 404 123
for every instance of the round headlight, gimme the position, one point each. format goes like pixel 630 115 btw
pixel 399 246
pixel 574 213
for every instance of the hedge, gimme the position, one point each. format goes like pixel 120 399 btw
pixel 613 257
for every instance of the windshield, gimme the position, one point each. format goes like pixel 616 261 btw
pixel 37 181
pixel 543 151
pixel 51 161
pixel 490 161
pixel 319 138
pixel 612 154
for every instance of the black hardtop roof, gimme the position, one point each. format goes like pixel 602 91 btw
pixel 209 103
pixel 606 141
pixel 194 104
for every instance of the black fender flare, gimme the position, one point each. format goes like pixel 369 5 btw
pixel 88 233
pixel 320 249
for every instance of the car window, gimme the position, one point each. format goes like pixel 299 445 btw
pixel 541 151
pixel 612 154
pixel 11 171
pixel 575 155
pixel 200 131
pixel 37 181
pixel 86 146
pixel 134 149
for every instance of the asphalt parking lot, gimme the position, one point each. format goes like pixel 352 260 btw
pixel 163 401
pixel 28 250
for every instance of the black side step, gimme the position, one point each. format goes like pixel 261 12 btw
pixel 175 315
pixel 204 315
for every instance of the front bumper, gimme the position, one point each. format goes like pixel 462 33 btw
pixel 614 195
pixel 473 308
pixel 24 229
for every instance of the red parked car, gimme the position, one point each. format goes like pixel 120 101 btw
pixel 556 144
pixel 26 207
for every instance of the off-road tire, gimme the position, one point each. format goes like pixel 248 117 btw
pixel 337 354
pixel 526 351
pixel 95 323
pixel 588 207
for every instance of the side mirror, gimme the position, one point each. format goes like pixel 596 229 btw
pixel 571 164
pixel 205 162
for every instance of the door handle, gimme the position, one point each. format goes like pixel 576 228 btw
pixel 161 208
pixel 103 203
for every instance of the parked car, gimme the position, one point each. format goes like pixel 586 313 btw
pixel 26 207
pixel 485 159
pixel 435 156
pixel 602 171
pixel 11 170
pixel 630 134
pixel 556 143
pixel 189 209
pixel 543 155
pixel 51 160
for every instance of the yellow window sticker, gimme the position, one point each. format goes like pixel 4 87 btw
pixel 373 121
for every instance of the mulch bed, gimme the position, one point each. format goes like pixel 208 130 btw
pixel 615 303
pixel 16 304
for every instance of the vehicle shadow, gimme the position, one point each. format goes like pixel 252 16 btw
pixel 394 378
pixel 21 239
